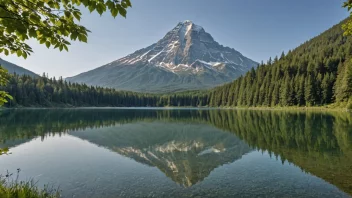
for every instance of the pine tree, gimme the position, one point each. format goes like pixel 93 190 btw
pixel 309 91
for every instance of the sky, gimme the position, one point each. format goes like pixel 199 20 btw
pixel 259 29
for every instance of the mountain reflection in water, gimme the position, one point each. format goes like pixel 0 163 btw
pixel 186 153
pixel 181 144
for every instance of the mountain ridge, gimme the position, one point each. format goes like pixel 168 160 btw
pixel 186 58
pixel 13 68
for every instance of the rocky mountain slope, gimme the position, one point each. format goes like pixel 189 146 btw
pixel 187 58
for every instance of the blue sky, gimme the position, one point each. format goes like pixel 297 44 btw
pixel 257 28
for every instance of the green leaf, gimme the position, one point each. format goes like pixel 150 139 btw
pixel 58 23
pixel 40 4
pixel 114 12
pixel 77 15
pixel 47 43
pixel 110 4
pixel 66 42
pixel 67 14
pixel 82 38
pixel 91 7
pixel 66 48
pixel 34 18
pixel 73 36
pixel 57 5
pixel 32 33
pixel 19 53
pixel 6 52
pixel 100 8
pixel 24 54
pixel 128 2
pixel 121 10
pixel 85 3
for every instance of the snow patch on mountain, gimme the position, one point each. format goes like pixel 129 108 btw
pixel 156 55
pixel 183 47
pixel 145 54
pixel 187 57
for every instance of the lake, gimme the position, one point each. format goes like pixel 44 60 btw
pixel 180 152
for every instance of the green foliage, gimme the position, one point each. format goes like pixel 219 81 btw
pixel 349 104
pixel 319 72
pixel 347 27
pixel 41 91
pixel 344 84
pixel 4 151
pixel 50 22
pixel 4 96
pixel 13 188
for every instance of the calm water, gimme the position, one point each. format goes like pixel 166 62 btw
pixel 181 153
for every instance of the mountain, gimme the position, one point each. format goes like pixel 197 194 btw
pixel 187 58
pixel 12 68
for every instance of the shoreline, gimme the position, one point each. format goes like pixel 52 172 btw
pixel 321 109
pixel 291 108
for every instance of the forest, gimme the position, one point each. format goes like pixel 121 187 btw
pixel 317 73
pixel 44 92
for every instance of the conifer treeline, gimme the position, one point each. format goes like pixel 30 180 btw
pixel 45 92
pixel 318 72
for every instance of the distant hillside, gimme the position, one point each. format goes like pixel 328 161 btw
pixel 316 73
pixel 12 68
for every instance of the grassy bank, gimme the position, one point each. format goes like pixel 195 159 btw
pixel 13 188
pixel 317 109
pixel 335 107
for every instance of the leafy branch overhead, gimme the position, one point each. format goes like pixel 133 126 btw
pixel 51 22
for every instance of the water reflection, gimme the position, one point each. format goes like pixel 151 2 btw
pixel 185 152
pixel 181 144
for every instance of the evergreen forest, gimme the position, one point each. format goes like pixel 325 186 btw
pixel 319 72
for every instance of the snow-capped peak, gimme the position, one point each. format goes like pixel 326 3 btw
pixel 189 25
pixel 188 47
pixel 186 58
